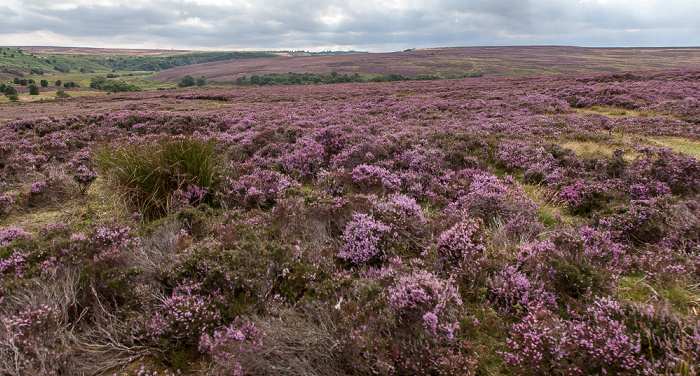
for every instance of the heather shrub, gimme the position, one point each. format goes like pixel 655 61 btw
pixel 333 138
pixel 259 189
pixel 366 241
pixel 662 221
pixel 582 197
pixel 514 293
pixel 428 312
pixel 679 172
pixel 228 347
pixel 543 104
pixel 33 342
pixel 306 157
pixel 422 160
pixel 10 234
pixel 333 182
pixel 575 266
pixel 420 297
pixel 673 344
pixel 593 342
pixel 465 241
pixel 147 175
pixel 36 318
pixel 369 178
pixel 497 202
pixel 182 318
pixel 403 214
pixel 84 176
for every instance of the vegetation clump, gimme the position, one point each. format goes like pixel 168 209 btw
pixel 148 175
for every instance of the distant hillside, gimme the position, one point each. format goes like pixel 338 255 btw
pixel 453 61
pixel 158 63
pixel 36 61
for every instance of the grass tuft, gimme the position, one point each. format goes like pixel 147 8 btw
pixel 148 174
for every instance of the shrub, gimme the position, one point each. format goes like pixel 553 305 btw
pixel 187 81
pixel 464 241
pixel 62 94
pixel 371 177
pixel 516 294
pixel 595 342
pixel 33 90
pixel 261 188
pixel 84 176
pixel 365 240
pixel 149 174
pixel 403 214
pixel 10 90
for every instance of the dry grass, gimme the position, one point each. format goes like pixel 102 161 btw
pixel 588 148
pixel 614 112
pixel 679 145
pixel 294 344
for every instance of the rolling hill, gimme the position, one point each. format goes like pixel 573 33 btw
pixel 453 61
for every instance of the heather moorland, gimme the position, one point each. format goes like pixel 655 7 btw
pixel 510 225
pixel 448 62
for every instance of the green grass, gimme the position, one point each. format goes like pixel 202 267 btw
pixel 615 112
pixel 147 175
pixel 679 145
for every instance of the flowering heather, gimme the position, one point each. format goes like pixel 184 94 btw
pixel 464 241
pixel 541 224
pixel 371 177
pixel 595 342
pixel 366 240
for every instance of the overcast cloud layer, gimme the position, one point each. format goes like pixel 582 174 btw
pixel 376 25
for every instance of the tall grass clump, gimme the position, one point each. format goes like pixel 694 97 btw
pixel 149 174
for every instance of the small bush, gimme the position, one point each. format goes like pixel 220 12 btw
pixel 365 240
pixel 148 175
pixel 465 241
pixel 62 94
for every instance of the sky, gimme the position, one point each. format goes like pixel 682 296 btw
pixel 341 25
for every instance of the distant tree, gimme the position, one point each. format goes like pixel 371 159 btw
pixel 13 97
pixel 10 90
pixel 33 90
pixel 97 82
pixel 187 81
pixel 31 81
pixel 58 83
pixel 16 81
pixel 2 88
pixel 44 83
pixel 62 94
pixel 23 82
pixel 241 80
pixel 201 81
pixel 255 80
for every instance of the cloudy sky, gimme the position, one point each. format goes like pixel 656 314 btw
pixel 368 25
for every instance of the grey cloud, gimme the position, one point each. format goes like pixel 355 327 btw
pixel 293 24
